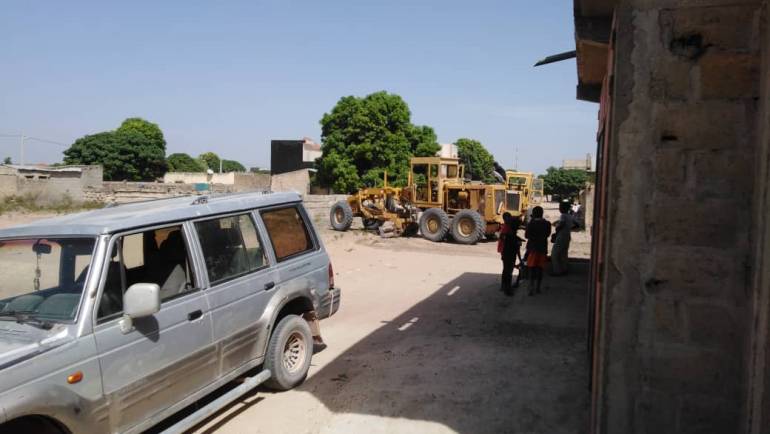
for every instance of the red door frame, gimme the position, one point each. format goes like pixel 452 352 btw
pixel 599 229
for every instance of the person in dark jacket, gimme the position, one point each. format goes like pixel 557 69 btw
pixel 508 247
pixel 537 233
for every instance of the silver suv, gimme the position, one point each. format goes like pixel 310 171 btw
pixel 113 320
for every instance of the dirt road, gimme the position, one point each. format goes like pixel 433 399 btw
pixel 425 343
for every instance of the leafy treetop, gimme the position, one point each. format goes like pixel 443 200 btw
pixel 136 151
pixel 211 161
pixel 479 163
pixel 363 137
pixel 565 183
pixel 181 162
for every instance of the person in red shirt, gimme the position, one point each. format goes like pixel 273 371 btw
pixel 537 233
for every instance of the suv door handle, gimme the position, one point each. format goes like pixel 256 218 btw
pixel 192 316
pixel 269 286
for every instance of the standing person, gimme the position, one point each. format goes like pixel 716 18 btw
pixel 538 230
pixel 508 246
pixel 561 239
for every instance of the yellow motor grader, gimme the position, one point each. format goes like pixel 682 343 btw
pixel 520 192
pixel 437 201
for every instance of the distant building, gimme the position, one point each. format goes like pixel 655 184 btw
pixel 291 162
pixel 290 155
pixel 448 150
pixel 48 183
pixel 239 180
pixel 584 164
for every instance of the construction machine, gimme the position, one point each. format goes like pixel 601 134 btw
pixel 519 192
pixel 437 200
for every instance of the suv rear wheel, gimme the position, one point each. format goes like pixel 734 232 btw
pixel 289 353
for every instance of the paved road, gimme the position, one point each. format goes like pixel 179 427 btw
pixel 425 343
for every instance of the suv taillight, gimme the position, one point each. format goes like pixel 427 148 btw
pixel 331 276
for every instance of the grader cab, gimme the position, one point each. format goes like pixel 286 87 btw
pixel 519 192
pixel 437 200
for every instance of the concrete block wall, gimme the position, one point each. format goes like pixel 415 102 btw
pixel 298 180
pixel 677 308
pixel 121 192
pixel 48 191
pixel 252 181
pixel 318 207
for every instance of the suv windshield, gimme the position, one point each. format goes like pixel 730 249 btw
pixel 43 278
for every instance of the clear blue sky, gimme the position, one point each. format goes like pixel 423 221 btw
pixel 231 76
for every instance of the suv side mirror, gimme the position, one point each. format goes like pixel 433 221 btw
pixel 139 301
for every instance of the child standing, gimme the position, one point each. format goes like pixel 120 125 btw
pixel 537 233
pixel 508 246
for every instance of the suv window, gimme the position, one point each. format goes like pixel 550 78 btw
pixel 157 256
pixel 230 246
pixel 43 277
pixel 288 232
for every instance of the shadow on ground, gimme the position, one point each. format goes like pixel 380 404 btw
pixel 468 358
pixel 471 359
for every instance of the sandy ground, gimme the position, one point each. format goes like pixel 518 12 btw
pixel 426 343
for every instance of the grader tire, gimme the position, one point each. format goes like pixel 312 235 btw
pixel 468 227
pixel 434 224
pixel 341 216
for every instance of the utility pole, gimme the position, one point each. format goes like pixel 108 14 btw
pixel 516 158
pixel 21 148
pixel 220 166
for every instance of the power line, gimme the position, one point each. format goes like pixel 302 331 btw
pixel 38 139
pixel 53 142
pixel 23 138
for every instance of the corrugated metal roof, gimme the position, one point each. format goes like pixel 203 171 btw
pixel 45 168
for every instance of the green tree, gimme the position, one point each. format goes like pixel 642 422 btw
pixel 232 166
pixel 136 151
pixel 363 137
pixel 181 162
pixel 99 148
pixel 479 163
pixel 565 183
pixel 210 160
pixel 7 160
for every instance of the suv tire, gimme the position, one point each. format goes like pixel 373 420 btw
pixel 468 227
pixel 434 224
pixel 289 353
pixel 341 216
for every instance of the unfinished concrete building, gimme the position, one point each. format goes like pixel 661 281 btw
pixel 679 318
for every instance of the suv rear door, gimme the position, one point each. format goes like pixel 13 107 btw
pixel 168 355
pixel 241 283
pixel 302 264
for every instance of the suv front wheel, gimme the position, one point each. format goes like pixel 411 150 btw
pixel 289 353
